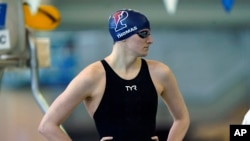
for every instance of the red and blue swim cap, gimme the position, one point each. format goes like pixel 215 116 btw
pixel 125 23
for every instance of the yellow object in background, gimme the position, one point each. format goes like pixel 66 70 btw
pixel 47 17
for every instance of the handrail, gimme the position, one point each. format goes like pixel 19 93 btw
pixel 41 101
pixel 39 98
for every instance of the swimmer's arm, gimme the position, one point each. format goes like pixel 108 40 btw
pixel 63 106
pixel 176 105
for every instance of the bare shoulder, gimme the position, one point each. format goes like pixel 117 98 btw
pixel 91 81
pixel 158 68
pixel 92 73
pixel 88 79
pixel 160 74
pixel 93 70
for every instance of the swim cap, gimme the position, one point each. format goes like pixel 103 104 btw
pixel 125 23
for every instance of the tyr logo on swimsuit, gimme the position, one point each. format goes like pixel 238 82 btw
pixel 131 88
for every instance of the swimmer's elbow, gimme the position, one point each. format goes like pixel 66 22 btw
pixel 44 128
pixel 52 132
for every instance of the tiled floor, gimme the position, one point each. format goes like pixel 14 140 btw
pixel 19 116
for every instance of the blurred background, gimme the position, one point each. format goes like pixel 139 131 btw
pixel 205 44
